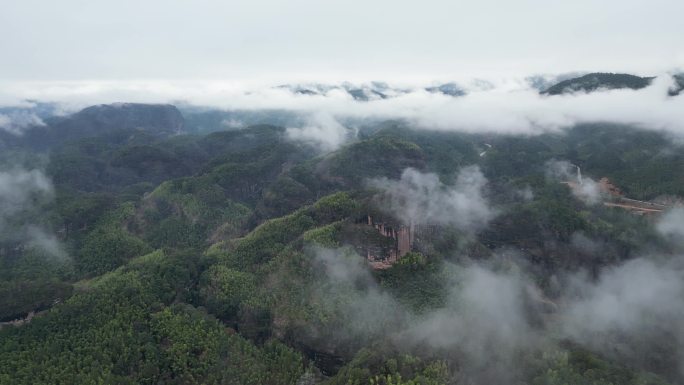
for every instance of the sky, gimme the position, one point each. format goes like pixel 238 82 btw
pixel 269 40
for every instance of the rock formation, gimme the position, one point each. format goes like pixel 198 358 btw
pixel 403 237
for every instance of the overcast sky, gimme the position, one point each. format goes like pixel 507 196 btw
pixel 350 39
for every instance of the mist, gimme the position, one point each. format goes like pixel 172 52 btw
pixel 494 310
pixel 494 315
pixel 323 132
pixel 629 310
pixel 671 225
pixel 17 121
pixel 422 199
pixel 582 187
pixel 486 319
pixel 504 105
pixel 22 193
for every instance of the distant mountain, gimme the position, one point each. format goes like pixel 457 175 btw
pixel 595 81
pixel 542 82
pixel 366 93
pixel 361 92
pixel 369 91
pixel 450 89
pixel 308 88
pixel 677 88
pixel 155 120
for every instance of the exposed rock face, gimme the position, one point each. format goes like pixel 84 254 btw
pixel 154 118
pixel 595 81
pixel 611 196
pixel 403 243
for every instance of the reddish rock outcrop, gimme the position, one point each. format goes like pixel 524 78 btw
pixel 403 237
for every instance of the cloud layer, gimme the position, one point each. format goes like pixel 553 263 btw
pixel 508 105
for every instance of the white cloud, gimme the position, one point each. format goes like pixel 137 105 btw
pixel 631 312
pixel 21 192
pixel 671 224
pixel 322 131
pixel 18 188
pixel 485 320
pixel 581 186
pixel 588 191
pixel 511 106
pixel 16 122
pixel 232 123
pixel 625 298
pixel 421 198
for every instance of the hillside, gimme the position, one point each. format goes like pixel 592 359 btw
pixel 153 120
pixel 597 81
pixel 141 254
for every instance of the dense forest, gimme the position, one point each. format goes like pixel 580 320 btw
pixel 594 81
pixel 143 244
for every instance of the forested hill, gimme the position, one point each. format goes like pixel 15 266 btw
pixel 595 81
pixel 155 120
pixel 133 252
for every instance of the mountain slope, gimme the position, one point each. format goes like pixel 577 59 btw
pixel 597 81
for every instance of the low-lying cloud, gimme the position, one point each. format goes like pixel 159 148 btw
pixel 493 314
pixel 581 186
pixel 485 320
pixel 628 298
pixel 18 189
pixel 17 121
pixel 421 198
pixel 671 224
pixel 632 312
pixel 323 132
pixel 506 106
pixel 22 192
